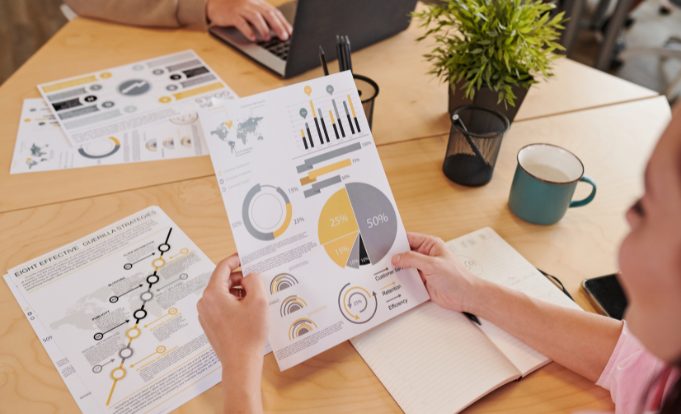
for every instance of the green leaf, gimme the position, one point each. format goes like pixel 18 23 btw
pixel 495 43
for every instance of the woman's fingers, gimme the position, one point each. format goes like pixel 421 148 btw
pixel 235 284
pixel 413 260
pixel 242 25
pixel 429 245
pixel 220 277
pixel 276 21
pixel 254 286
pixel 255 18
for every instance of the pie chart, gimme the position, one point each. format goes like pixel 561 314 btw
pixel 357 225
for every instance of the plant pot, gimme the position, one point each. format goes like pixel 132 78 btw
pixel 486 98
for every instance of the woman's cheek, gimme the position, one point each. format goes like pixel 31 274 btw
pixel 629 263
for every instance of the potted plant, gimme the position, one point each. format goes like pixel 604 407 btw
pixel 491 51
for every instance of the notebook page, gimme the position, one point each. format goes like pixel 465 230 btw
pixel 432 360
pixel 487 255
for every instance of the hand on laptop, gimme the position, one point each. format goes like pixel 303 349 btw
pixel 448 282
pixel 253 18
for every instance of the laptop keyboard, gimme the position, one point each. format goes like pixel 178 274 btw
pixel 277 47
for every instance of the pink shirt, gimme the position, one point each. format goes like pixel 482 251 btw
pixel 629 374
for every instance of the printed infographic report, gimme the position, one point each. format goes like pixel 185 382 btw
pixel 311 209
pixel 109 102
pixel 42 146
pixel 116 312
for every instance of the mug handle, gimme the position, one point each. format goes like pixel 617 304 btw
pixel 590 197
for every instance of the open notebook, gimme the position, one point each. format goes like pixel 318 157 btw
pixel 432 360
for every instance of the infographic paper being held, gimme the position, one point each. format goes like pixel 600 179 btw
pixel 109 102
pixel 116 313
pixel 42 146
pixel 311 210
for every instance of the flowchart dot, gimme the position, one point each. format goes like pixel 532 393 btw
pixel 158 263
pixel 133 332
pixel 125 353
pixel 118 373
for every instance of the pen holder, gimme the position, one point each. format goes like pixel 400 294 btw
pixel 474 142
pixel 368 91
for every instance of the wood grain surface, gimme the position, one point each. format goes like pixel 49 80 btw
pixel 613 142
pixel 411 103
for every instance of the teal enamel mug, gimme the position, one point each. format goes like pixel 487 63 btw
pixel 544 183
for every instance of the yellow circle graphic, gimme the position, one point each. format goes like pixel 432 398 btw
pixel 158 263
pixel 133 332
pixel 118 373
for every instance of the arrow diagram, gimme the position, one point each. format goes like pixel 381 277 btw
pixel 357 304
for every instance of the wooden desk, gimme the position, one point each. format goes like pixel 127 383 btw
pixel 614 150
pixel 411 103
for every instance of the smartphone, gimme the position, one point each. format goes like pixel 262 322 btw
pixel 607 295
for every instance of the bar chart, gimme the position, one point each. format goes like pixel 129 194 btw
pixel 315 176
pixel 320 120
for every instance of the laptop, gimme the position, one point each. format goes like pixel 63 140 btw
pixel 316 23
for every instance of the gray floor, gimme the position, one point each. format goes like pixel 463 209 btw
pixel 25 25
pixel 650 30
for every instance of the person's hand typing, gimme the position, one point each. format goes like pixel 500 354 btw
pixel 448 282
pixel 253 18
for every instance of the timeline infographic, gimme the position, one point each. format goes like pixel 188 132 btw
pixel 311 210
pixel 109 102
pixel 116 312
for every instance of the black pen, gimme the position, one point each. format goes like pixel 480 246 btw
pixel 346 60
pixel 472 318
pixel 322 57
pixel 349 52
pixel 344 52
pixel 339 53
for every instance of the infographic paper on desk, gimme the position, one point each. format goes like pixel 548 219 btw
pixel 106 103
pixel 42 146
pixel 311 209
pixel 116 312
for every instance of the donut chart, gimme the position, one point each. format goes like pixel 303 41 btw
pixel 266 212
pixel 100 149
pixel 357 304
pixel 357 226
